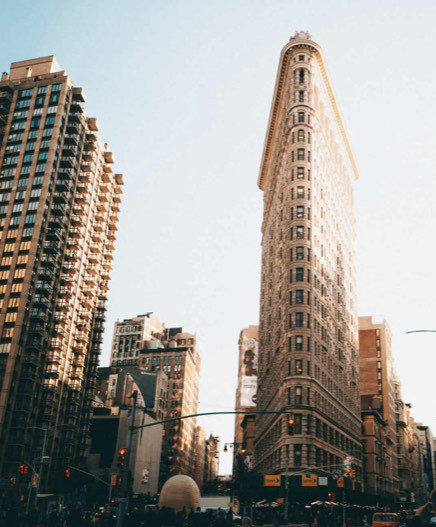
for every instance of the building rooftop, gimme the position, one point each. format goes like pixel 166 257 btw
pixel 32 67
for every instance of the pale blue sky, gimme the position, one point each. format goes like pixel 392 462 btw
pixel 182 92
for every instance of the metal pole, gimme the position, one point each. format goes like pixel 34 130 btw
pixel 286 489
pixel 110 490
pixel 344 521
pixel 124 504
pixel 41 465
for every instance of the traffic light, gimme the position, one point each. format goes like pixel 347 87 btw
pixel 331 496
pixel 122 458
pixel 67 473
pixel 23 469
pixel 12 481
pixel 291 422
pixel 350 473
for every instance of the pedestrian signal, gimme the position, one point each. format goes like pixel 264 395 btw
pixel 122 452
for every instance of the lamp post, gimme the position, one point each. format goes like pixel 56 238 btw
pixel 225 449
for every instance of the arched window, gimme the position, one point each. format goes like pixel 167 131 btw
pixel 301 75
pixel 300 135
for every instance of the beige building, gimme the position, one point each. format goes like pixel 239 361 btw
pixel 129 337
pixel 377 380
pixel 59 205
pixel 177 354
pixel 308 335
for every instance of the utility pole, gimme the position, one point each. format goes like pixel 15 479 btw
pixel 125 472
pixel 286 488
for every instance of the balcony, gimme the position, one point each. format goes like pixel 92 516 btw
pixel 34 344
pixel 92 269
pixel 71 139
pixel 53 356
pixel 53 234
pixel 52 371
pixel 82 336
pixel 103 197
pixel 36 328
pixel 85 189
pixel 51 247
pixel 87 166
pixel 88 291
pixel 75 244
pixel 80 210
pixel 71 256
pixel 64 292
pixel 73 128
pixel 75 233
pixel 63 307
pixel 84 177
pixel 44 288
pixel 66 162
pixel 58 210
pixel 65 174
pixel 70 268
pixel 56 344
pixel 86 302
pixel 75 385
pixel 50 384
pixel 90 156
pixel 79 348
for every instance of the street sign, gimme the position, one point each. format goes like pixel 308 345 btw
pixel 323 480
pixel 309 480
pixel 271 480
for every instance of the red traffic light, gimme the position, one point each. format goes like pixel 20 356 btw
pixel 23 469
pixel 122 457
pixel 291 422
pixel 67 472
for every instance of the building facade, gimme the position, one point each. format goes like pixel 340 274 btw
pixel 247 377
pixel 129 337
pixel 377 380
pixel 177 354
pixel 58 216
pixel 308 335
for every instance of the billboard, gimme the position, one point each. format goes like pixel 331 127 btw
pixel 248 371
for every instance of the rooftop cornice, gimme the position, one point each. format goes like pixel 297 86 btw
pixel 301 40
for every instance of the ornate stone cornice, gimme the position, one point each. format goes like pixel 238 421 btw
pixel 300 40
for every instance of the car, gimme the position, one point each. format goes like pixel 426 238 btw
pixel 385 519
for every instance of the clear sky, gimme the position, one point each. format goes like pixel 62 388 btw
pixel 182 91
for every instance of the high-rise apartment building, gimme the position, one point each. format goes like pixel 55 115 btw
pixel 59 204
pixel 308 340
pixel 377 379
pixel 130 335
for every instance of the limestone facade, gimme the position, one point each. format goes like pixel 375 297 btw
pixel 308 335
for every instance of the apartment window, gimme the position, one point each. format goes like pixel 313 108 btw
pixel 300 212
pixel 298 343
pixel 299 253
pixel 300 135
pixel 300 173
pixel 54 99
pixel 39 101
pixel 52 109
pixel 40 167
pixel 300 154
pixel 299 274
pixel 300 232
pixel 33 134
pixel 301 117
pixel 297 423
pixel 301 96
pixel 13 160
pixel 33 205
pixel 21 115
pixel 300 57
pixel 15 220
pixel 298 367
pixel 35 193
pixel 42 90
pixel 23 104
pixel 30 218
pixel 25 93
pixel 18 207
pixel 299 319
pixel 35 122
pixel 299 296
pixel 298 395
pixel 49 121
pixel 47 133
pixel 18 125
pixel 37 111
pixel 300 192
pixel 56 88
pixel 42 156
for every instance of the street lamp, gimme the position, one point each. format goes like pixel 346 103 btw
pixel 243 450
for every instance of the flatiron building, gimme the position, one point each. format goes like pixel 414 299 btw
pixel 308 334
